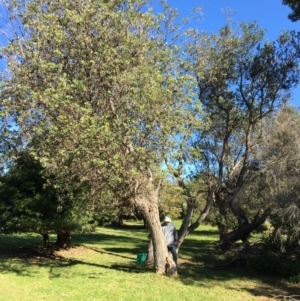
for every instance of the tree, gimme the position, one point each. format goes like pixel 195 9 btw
pixel 24 206
pixel 295 6
pixel 30 204
pixel 96 83
pixel 279 157
pixel 241 81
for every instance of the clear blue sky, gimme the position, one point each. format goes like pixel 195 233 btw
pixel 270 15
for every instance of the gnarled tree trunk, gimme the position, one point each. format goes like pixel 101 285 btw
pixel 243 230
pixel 147 202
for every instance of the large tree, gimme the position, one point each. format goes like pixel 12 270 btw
pixel 241 80
pixel 98 86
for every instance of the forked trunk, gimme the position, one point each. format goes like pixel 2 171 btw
pixel 187 228
pixel 63 239
pixel 242 232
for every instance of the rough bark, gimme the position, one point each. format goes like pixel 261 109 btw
pixel 63 239
pixel 148 205
pixel 150 256
pixel 187 227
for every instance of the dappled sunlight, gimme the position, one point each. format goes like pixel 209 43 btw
pixel 111 253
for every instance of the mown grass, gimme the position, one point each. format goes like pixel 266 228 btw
pixel 102 267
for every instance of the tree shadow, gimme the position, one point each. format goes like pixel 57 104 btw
pixel 109 239
pixel 195 274
pixel 113 251
pixel 192 255
pixel 35 256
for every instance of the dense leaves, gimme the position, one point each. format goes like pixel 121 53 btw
pixel 29 203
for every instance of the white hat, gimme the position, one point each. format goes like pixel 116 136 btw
pixel 167 219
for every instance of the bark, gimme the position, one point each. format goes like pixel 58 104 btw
pixel 242 232
pixel 150 257
pixel 63 239
pixel 187 227
pixel 148 205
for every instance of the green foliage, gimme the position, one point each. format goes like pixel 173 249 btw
pixel 273 265
pixel 30 204
pixel 279 159
pixel 27 203
pixel 241 79
pixel 295 6
pixel 98 83
pixel 171 200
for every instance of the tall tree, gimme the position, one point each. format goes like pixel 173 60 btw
pixel 96 83
pixel 241 80
pixel 279 160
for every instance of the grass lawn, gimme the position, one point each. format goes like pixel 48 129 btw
pixel 102 267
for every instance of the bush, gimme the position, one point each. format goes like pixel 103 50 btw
pixel 272 265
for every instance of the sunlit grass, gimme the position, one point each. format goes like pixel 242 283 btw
pixel 102 267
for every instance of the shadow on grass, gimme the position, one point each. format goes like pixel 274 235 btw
pixel 196 250
pixel 107 239
pixel 19 263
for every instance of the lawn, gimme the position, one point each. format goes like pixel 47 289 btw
pixel 102 267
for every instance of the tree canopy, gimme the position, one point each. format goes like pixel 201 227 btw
pixel 241 79
pixel 295 6
pixel 97 95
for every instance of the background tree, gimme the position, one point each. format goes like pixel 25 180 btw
pixel 279 157
pixel 241 81
pixel 30 204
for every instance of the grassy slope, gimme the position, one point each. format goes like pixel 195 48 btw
pixel 102 268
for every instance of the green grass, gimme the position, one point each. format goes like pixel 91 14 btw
pixel 102 267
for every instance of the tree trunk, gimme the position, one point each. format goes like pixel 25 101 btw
pixel 45 240
pixel 120 221
pixel 63 239
pixel 186 228
pixel 150 257
pixel 242 232
pixel 148 205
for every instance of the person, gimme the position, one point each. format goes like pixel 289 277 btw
pixel 171 237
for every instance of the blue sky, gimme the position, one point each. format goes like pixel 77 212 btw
pixel 270 15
